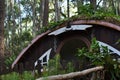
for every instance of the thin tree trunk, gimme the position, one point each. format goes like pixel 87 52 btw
pixel 2 16
pixel 20 20
pixel 46 13
pixel 34 17
pixel 104 4
pixel 7 27
pixel 93 4
pixel 118 7
pixel 57 10
pixel 72 74
pixel 41 12
pixel 113 6
pixel 12 24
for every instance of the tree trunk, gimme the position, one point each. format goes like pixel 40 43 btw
pixel 93 4
pixel 34 17
pixel 2 16
pixel 104 4
pixel 119 8
pixel 41 12
pixel 46 13
pixel 113 6
pixel 72 74
pixel 57 10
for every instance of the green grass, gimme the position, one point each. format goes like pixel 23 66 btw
pixel 16 76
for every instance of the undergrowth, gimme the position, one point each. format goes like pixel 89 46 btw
pixel 16 76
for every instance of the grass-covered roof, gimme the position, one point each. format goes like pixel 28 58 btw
pixel 107 17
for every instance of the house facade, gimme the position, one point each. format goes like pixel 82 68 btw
pixel 65 41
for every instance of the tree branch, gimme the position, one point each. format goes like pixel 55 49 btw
pixel 72 74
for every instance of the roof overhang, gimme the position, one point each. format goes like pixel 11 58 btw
pixel 97 22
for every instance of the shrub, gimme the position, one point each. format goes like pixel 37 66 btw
pixel 97 58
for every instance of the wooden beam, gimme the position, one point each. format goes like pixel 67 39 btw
pixel 72 74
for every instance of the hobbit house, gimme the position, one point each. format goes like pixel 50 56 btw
pixel 65 40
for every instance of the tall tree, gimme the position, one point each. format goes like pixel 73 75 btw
pixel 41 11
pixel 2 16
pixel 34 16
pixel 46 13
pixel 57 10
pixel 118 7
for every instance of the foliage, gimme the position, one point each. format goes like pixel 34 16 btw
pixel 18 42
pixel 118 42
pixel 70 67
pixel 94 56
pixel 9 60
pixel 16 76
pixel 54 67
pixel 97 57
pixel 86 9
pixel 52 25
pixel 86 13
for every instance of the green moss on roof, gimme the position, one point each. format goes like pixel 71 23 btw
pixel 98 16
